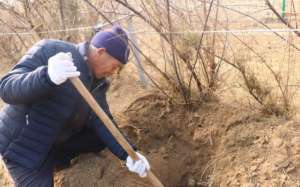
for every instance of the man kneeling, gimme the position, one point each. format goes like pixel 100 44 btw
pixel 45 122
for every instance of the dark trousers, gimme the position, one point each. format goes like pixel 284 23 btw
pixel 83 142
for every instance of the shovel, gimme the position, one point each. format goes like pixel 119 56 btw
pixel 111 127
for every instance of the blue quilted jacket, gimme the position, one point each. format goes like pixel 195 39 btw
pixel 36 110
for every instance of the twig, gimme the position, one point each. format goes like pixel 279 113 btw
pixel 61 14
pixel 280 17
pixel 182 89
pixel 200 43
pixel 99 12
pixel 260 22
pixel 164 36
pixel 11 28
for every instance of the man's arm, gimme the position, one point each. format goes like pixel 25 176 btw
pixel 140 166
pixel 104 134
pixel 28 80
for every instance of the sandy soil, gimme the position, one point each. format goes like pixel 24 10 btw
pixel 214 144
pixel 222 142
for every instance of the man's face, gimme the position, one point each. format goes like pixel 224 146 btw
pixel 103 64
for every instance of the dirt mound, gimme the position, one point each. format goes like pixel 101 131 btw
pixel 211 145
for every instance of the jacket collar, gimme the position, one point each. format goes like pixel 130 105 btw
pixel 83 49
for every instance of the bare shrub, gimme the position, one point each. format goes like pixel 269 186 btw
pixel 262 91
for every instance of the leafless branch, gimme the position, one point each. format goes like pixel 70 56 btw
pixel 280 17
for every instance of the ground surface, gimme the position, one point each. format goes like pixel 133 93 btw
pixel 214 144
pixel 222 142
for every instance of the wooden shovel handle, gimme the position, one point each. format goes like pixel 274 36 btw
pixel 109 124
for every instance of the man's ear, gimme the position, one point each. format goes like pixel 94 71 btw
pixel 100 51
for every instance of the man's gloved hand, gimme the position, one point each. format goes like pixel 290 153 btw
pixel 140 166
pixel 61 67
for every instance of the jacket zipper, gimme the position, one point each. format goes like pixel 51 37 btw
pixel 97 87
pixel 27 119
pixel 92 93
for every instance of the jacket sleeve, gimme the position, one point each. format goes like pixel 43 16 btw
pixel 28 80
pixel 104 134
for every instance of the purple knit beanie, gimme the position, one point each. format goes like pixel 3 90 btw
pixel 115 41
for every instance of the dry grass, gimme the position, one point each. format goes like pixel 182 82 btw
pixel 249 84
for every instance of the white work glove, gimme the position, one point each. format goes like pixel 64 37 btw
pixel 140 166
pixel 61 67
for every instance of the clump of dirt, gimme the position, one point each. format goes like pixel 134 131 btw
pixel 212 144
pixel 165 133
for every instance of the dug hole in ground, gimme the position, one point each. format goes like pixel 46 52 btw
pixel 212 144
